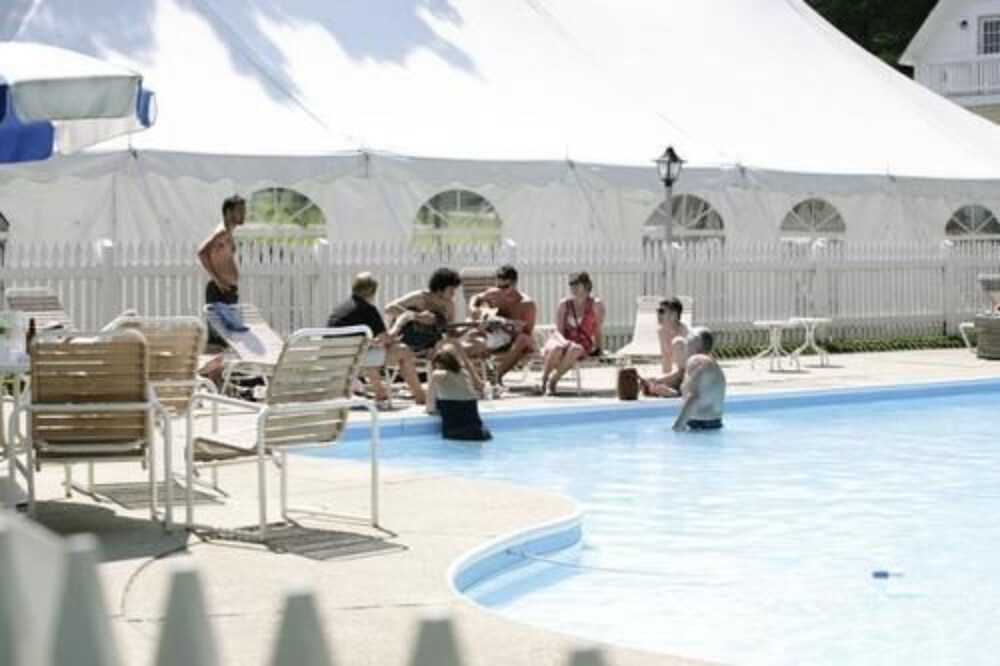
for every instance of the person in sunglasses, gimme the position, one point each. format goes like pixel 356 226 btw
pixel 507 317
pixel 673 350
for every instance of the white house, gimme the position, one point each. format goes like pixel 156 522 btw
pixel 956 53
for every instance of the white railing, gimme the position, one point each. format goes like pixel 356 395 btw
pixel 52 611
pixel 869 289
pixel 979 76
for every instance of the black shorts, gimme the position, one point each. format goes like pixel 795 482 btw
pixel 704 424
pixel 215 295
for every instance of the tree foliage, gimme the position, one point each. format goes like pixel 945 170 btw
pixel 883 27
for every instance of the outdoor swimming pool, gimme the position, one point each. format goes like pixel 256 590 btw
pixel 765 543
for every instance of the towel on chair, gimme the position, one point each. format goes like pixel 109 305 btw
pixel 229 317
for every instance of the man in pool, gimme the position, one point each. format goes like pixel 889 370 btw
pixel 704 387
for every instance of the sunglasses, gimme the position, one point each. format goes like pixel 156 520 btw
pixel 661 311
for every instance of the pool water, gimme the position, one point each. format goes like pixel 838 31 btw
pixel 851 533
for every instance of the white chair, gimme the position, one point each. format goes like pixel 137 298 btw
pixel 307 403
pixel 91 402
pixel 253 352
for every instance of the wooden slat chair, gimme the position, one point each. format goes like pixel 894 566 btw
pixel 175 345
pixel 252 353
pixel 91 402
pixel 307 403
pixel 476 280
pixel 41 304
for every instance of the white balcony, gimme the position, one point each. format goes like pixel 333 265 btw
pixel 968 79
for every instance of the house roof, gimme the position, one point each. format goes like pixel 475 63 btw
pixel 914 52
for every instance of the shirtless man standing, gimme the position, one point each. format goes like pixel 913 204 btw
pixel 704 387
pixel 218 254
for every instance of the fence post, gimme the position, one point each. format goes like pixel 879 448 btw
pixel 82 634
pixel 949 293
pixel 109 283
pixel 300 638
pixel 186 638
pixel 323 303
pixel 436 645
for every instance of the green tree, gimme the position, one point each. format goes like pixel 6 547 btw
pixel 883 27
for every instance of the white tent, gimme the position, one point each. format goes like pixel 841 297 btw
pixel 550 109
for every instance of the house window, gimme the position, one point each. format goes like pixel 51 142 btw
pixel 811 220
pixel 989 35
pixel 456 217
pixel 973 223
pixel 695 221
pixel 279 214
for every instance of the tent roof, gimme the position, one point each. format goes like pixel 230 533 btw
pixel 761 83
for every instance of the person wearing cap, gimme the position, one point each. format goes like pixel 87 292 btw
pixel 704 388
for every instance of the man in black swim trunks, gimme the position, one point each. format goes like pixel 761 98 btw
pixel 704 387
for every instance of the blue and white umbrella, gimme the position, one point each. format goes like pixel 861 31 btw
pixel 55 100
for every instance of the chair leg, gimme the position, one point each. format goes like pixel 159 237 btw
pixel 283 461
pixel 67 481
pixel 262 492
pixel 30 473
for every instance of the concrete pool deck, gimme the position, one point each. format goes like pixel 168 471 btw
pixel 372 588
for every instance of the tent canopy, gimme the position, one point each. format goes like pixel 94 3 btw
pixel 765 84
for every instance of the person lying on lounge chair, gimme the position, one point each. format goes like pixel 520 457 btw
pixel 385 347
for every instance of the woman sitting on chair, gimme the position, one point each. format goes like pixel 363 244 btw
pixel 578 333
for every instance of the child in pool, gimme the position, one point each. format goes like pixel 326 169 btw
pixel 451 393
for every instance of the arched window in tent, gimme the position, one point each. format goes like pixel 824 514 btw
pixel 695 222
pixel 456 217
pixel 972 224
pixel 808 229
pixel 282 215
pixel 812 220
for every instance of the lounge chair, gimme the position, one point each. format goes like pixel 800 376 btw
pixel 41 304
pixel 307 403
pixel 253 352
pixel 645 343
pixel 90 402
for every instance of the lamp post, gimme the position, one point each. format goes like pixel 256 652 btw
pixel 669 166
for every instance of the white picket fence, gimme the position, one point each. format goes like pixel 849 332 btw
pixel 868 289
pixel 52 613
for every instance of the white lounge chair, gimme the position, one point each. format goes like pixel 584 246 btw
pixel 41 304
pixel 253 352
pixel 307 403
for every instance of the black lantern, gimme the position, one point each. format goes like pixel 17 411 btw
pixel 669 164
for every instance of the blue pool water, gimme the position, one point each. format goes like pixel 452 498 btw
pixel 767 542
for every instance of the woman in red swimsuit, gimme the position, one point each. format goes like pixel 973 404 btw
pixel 579 318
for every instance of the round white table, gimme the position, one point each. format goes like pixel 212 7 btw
pixel 810 324
pixel 774 352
